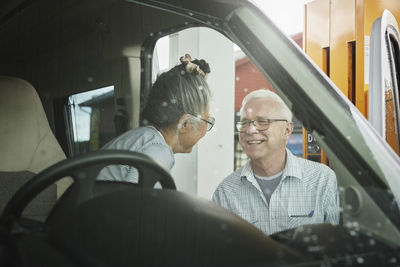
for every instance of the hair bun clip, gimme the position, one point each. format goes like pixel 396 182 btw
pixel 190 66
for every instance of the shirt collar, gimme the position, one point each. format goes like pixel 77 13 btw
pixel 155 129
pixel 247 173
pixel 292 169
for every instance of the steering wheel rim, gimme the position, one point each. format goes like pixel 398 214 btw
pixel 73 167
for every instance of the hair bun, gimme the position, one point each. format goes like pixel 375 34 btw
pixel 195 66
pixel 204 66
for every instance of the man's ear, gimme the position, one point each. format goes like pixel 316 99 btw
pixel 184 124
pixel 289 129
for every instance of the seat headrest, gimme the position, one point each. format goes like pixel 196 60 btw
pixel 26 140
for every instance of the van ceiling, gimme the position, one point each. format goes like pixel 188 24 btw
pixel 52 42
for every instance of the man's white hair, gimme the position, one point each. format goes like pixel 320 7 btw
pixel 268 95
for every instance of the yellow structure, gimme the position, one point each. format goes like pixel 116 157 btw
pixel 336 37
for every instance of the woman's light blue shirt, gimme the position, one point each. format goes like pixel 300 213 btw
pixel 147 140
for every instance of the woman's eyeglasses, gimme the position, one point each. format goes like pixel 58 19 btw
pixel 210 121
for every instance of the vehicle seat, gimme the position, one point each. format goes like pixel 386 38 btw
pixel 27 143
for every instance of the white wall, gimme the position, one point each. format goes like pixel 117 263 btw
pixel 212 158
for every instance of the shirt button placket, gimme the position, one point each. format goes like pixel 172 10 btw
pixel 272 215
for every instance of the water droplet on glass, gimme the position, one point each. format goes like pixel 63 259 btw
pixel 201 87
pixel 173 101
pixel 360 260
pixel 372 242
pixel 183 72
pixel 164 104
pixel 145 122
pixel 186 23
pixel 359 172
pixel 353 233
pixel 237 78
pixel 90 79
pixel 348 137
pixel 141 69
pixel 267 191
pixel 378 224
pixel 224 226
pixel 314 237
pixel 245 89
pixel 190 14
pixel 151 34
pixel 315 248
pixel 149 56
pixel 249 110
pixel 306 239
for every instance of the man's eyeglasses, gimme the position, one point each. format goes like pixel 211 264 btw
pixel 260 124
pixel 210 121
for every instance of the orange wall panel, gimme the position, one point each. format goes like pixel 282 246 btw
pixel 316 38
pixel 342 32
pixel 361 97
pixel 316 30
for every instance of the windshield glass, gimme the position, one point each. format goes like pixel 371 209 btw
pixel 366 167
pixel 193 133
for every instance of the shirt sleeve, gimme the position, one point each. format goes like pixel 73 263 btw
pixel 220 197
pixel 216 197
pixel 331 200
pixel 157 152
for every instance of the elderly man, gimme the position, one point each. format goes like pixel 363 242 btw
pixel 275 190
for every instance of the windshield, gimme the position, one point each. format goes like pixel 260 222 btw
pixel 366 167
pixel 190 133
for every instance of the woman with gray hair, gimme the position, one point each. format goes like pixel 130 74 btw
pixel 175 118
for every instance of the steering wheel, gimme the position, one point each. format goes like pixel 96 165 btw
pixel 84 169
